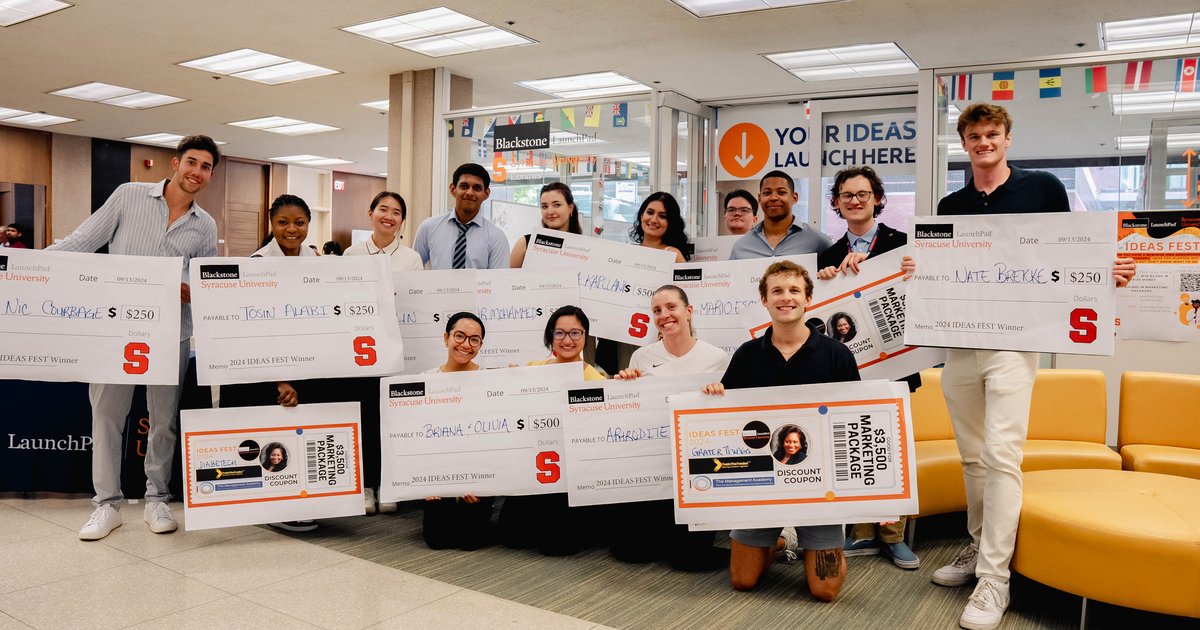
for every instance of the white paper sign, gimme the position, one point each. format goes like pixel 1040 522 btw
pixel 1162 302
pixel 724 296
pixel 484 432
pixel 618 438
pixel 739 462
pixel 95 318
pixel 250 465
pixel 272 319
pixel 616 280
pixel 424 301
pixel 1037 282
pixel 711 248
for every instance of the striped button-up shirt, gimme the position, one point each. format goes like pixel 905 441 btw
pixel 487 246
pixel 134 222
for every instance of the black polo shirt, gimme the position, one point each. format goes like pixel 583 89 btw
pixel 758 363
pixel 1023 191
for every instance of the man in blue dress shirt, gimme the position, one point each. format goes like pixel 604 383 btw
pixel 462 239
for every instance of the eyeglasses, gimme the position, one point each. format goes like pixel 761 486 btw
pixel 862 195
pixel 474 340
pixel 738 211
pixel 575 335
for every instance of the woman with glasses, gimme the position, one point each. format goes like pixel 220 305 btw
pixel 545 522
pixel 858 197
pixel 459 522
pixel 558 213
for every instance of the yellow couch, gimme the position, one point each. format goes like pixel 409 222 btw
pixel 1066 430
pixel 1159 431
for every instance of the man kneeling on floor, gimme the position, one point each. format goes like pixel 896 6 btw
pixel 789 353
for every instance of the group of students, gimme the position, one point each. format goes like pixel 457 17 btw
pixel 987 392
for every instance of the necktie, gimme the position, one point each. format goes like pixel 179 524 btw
pixel 460 247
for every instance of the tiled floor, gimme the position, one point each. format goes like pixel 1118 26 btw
pixel 243 577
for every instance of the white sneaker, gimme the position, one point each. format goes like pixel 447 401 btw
pixel 159 517
pixel 791 544
pixel 987 605
pixel 369 500
pixel 103 520
pixel 388 507
pixel 961 570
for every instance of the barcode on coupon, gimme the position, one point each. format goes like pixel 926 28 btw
pixel 885 331
pixel 311 448
pixel 841 452
pixel 1189 282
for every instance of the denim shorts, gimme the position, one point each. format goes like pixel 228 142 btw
pixel 812 537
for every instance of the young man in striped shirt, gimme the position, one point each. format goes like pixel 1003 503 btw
pixel 160 219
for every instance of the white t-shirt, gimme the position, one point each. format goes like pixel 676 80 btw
pixel 703 357
pixel 272 249
pixel 403 257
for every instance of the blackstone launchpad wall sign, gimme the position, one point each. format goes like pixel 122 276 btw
pixel 522 137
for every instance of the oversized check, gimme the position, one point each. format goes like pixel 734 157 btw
pixel 856 457
pixel 1038 282
pixel 724 296
pixel 93 318
pixel 282 319
pixel 424 301
pixel 618 438
pixel 484 432
pixel 710 248
pixel 1162 302
pixel 615 280
pixel 870 308
pixel 514 304
pixel 250 465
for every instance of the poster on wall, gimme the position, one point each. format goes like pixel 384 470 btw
pixel 1162 302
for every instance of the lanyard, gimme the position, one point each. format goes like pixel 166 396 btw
pixel 870 247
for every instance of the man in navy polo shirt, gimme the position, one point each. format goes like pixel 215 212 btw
pixel 790 353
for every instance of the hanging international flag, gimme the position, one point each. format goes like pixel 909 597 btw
pixel 489 126
pixel 539 116
pixel 1185 75
pixel 1050 83
pixel 450 128
pixel 568 118
pixel 514 121
pixel 1095 80
pixel 1004 85
pixel 960 87
pixel 468 128
pixel 1137 75
pixel 591 116
pixel 620 115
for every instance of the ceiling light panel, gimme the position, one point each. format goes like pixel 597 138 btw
pixel 260 67
pixel 286 126
pixel 586 85
pixel 143 100
pixel 438 32
pixel 116 95
pixel 10 113
pixel 709 8
pixel 1154 102
pixel 382 105
pixel 38 120
pixel 1154 32
pixel 303 129
pixel 17 11
pixel 267 122
pixel 846 62
pixel 163 139
pixel 310 160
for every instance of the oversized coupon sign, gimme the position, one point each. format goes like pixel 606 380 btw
pixel 615 280
pixel 285 318
pixel 94 318
pixel 1037 282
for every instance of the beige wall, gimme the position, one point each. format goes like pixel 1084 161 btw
pixel 350 205
pixel 71 194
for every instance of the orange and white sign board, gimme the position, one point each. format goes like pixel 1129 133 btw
pixel 252 465
pixel 820 454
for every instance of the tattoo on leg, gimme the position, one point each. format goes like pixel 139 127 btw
pixel 829 564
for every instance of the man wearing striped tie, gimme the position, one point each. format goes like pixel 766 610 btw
pixel 462 239
pixel 159 219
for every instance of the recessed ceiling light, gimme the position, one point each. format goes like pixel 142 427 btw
pixel 260 67
pixel 38 120
pixel 1154 102
pixel 586 85
pixel 116 95
pixel 708 8
pixel 286 126
pixel 384 174
pixel 384 105
pixel 310 160
pixel 847 62
pixel 438 32
pixel 10 113
pixel 1141 143
pixel 1167 30
pixel 384 149
pixel 163 139
pixel 17 11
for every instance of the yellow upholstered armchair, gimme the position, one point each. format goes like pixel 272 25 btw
pixel 1160 423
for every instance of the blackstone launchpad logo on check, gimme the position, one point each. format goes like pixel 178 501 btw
pixel 3 263
pixel 935 230
pixel 406 390
pixel 548 241
pixel 584 396
pixel 688 275
pixel 220 272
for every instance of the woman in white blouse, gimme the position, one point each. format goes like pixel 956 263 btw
pixel 388 213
